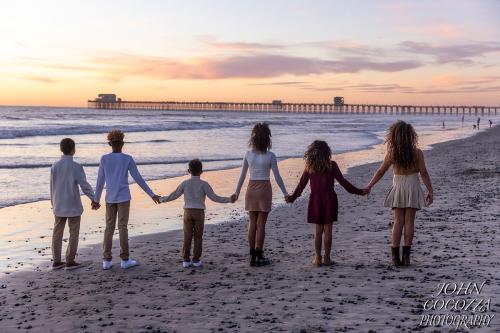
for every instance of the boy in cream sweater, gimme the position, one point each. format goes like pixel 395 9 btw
pixel 195 191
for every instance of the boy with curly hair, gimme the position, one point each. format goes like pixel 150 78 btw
pixel 114 169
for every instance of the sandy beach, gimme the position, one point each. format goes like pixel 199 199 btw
pixel 456 241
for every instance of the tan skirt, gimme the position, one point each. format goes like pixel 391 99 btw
pixel 259 196
pixel 406 192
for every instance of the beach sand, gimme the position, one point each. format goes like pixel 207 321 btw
pixel 456 240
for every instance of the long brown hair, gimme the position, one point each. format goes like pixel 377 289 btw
pixel 260 139
pixel 402 141
pixel 318 157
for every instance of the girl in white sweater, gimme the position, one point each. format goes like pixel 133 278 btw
pixel 258 199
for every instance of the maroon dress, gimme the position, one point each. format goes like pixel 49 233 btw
pixel 323 204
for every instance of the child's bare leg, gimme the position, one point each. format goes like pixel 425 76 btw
pixel 328 241
pixel 318 239
pixel 397 228
pixel 252 229
pixel 261 229
pixel 409 226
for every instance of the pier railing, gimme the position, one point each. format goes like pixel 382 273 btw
pixel 298 107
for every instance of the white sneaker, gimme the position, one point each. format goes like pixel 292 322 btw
pixel 186 264
pixel 107 264
pixel 128 263
pixel 197 264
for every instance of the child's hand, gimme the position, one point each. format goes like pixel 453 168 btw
pixel 288 199
pixel 156 199
pixel 430 198
pixel 233 198
pixel 95 205
pixel 366 190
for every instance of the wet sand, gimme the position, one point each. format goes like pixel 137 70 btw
pixel 456 240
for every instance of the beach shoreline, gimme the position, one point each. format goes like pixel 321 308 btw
pixel 456 240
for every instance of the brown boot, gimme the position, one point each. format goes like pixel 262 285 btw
pixel 406 255
pixel 395 256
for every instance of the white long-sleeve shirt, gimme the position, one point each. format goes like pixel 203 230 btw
pixel 65 177
pixel 260 165
pixel 113 171
pixel 195 191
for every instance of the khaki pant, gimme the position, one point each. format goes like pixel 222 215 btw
pixel 113 211
pixel 194 219
pixel 57 236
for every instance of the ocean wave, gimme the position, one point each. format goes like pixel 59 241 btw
pixel 19 144
pixel 144 163
pixel 68 130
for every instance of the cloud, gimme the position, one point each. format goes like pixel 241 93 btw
pixel 282 83
pixel 463 87
pixel 263 63
pixel 248 66
pixel 237 46
pixel 367 88
pixel 347 47
pixel 43 79
pixel 458 53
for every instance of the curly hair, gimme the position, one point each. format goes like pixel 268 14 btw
pixel 116 136
pixel 402 141
pixel 260 139
pixel 318 157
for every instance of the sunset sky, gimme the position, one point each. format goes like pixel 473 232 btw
pixel 427 52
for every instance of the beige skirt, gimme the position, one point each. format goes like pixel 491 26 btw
pixel 406 192
pixel 259 196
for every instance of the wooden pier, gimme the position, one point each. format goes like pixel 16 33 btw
pixel 296 107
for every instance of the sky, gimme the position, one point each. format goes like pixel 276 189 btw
pixel 63 53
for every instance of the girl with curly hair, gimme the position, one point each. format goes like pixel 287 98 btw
pixel 406 195
pixel 258 199
pixel 322 210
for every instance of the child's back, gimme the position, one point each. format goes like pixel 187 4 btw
pixel 195 191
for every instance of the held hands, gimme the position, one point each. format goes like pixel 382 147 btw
pixel 156 199
pixel 95 205
pixel 288 199
pixel 366 190
pixel 234 198
pixel 430 198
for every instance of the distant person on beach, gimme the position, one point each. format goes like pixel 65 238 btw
pixel 406 195
pixel 491 123
pixel 195 191
pixel 66 176
pixel 113 171
pixel 322 210
pixel 258 199
pixel 478 121
pixel 443 124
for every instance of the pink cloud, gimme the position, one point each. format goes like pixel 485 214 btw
pixel 237 46
pixel 458 53
pixel 251 66
pixel 43 79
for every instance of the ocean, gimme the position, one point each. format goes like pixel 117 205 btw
pixel 162 142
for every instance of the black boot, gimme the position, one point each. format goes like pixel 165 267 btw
pixel 261 260
pixel 406 255
pixel 253 257
pixel 395 256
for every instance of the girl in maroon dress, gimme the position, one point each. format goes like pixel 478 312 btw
pixel 321 171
